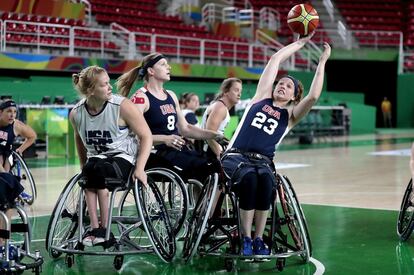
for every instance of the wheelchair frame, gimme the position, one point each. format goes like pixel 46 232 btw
pixel 405 222
pixel 149 213
pixel 19 266
pixel 17 163
pixel 285 212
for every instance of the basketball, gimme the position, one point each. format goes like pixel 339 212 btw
pixel 303 19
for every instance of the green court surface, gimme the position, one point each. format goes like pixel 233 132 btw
pixel 344 240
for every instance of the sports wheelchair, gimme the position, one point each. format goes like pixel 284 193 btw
pixel 405 222
pixel 219 234
pixel 18 167
pixel 18 234
pixel 142 224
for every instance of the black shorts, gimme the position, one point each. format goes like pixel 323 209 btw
pixel 96 170
pixel 10 189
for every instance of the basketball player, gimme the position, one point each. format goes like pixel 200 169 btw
pixel 103 123
pixel 216 117
pixel 267 119
pixel 165 119
pixel 412 163
pixel 10 188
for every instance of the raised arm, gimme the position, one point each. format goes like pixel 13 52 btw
pixel 268 77
pixel 25 131
pixel 136 122
pixel 306 103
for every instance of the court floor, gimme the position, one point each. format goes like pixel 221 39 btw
pixel 350 190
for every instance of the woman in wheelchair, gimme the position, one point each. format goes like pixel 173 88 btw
pixel 162 112
pixel 216 117
pixel 105 126
pixel 10 128
pixel 269 116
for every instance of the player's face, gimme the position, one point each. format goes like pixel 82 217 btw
pixel 161 70
pixel 8 115
pixel 102 89
pixel 194 103
pixel 234 92
pixel 284 90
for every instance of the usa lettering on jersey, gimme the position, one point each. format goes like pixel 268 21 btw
pixel 167 109
pixel 98 137
pixel 272 112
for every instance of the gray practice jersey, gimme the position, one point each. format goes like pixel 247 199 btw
pixel 101 134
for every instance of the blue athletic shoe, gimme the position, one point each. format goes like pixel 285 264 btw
pixel 12 252
pixel 26 197
pixel 259 247
pixel 247 246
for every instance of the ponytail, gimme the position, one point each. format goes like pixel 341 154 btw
pixel 124 82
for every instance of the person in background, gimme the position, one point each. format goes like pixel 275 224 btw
pixel 386 112
pixel 191 103
pixel 216 117
pixel 106 129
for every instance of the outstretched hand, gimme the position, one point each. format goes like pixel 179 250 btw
pixel 326 52
pixel 306 38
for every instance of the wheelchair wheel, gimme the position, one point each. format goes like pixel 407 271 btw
pixel 199 217
pixel 63 223
pixel 20 168
pixel 155 219
pixel 174 193
pixel 405 222
pixel 294 218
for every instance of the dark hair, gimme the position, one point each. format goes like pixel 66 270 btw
pixel 86 78
pixel 7 103
pixel 186 97
pixel 124 82
pixel 226 85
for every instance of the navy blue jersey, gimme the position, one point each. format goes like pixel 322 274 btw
pixel 261 128
pixel 191 118
pixel 161 115
pixel 7 137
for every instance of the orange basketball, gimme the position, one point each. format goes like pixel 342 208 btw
pixel 303 19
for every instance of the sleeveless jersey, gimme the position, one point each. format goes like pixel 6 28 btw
pixel 261 129
pixel 161 115
pixel 222 125
pixel 190 117
pixel 7 137
pixel 101 134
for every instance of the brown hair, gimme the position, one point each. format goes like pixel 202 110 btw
pixel 86 78
pixel 186 97
pixel 124 82
pixel 226 85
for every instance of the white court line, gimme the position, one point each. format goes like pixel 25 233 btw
pixel 402 152
pixel 320 268
pixel 281 165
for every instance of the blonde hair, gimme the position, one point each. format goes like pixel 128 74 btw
pixel 124 82
pixel 86 79
pixel 226 86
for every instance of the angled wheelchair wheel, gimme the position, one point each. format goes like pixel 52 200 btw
pixel 174 193
pixel 155 219
pixel 63 223
pixel 199 217
pixel 299 240
pixel 20 168
pixel 405 222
